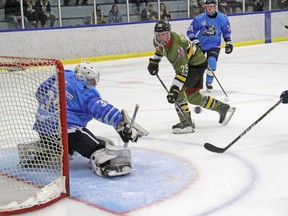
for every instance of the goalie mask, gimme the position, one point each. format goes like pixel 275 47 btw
pixel 87 73
pixel 162 31
pixel 210 7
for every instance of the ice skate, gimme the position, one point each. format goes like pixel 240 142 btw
pixel 226 112
pixel 182 128
pixel 209 87
pixel 121 170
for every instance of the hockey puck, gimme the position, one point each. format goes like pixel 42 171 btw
pixel 197 109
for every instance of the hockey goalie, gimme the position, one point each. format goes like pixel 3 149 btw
pixel 83 103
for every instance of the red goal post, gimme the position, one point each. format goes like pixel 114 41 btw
pixel 34 168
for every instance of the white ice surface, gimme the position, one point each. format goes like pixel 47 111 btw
pixel 251 178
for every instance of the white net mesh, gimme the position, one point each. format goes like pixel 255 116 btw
pixel 30 151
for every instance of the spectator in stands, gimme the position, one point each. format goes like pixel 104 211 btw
pixel 66 2
pixel 43 10
pixel 13 13
pixel 84 2
pixel 148 13
pixel 164 13
pixel 258 5
pixel 283 4
pixel 137 3
pixel 236 6
pixel 194 8
pixel 223 6
pixel 100 15
pixel 30 13
pixel 201 4
pixel 114 15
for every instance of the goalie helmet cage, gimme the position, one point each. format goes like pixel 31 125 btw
pixel 33 173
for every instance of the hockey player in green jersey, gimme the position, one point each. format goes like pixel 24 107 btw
pixel 189 64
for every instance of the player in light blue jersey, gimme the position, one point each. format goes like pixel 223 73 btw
pixel 206 30
pixel 84 103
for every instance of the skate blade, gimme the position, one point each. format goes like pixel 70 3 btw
pixel 183 131
pixel 193 125
pixel 229 115
pixel 114 173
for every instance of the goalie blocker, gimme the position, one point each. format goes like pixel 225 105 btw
pixel 130 134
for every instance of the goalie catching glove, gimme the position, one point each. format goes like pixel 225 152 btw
pixel 130 134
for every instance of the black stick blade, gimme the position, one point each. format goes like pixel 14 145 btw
pixel 213 148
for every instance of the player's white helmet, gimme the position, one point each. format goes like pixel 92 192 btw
pixel 87 73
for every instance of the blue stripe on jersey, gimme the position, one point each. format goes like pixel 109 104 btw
pixel 104 112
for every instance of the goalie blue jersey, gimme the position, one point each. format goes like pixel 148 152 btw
pixel 47 112
pixel 209 30
pixel 82 103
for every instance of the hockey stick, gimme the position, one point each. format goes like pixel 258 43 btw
pixel 226 98
pixel 192 124
pixel 216 149
pixel 286 26
pixel 132 122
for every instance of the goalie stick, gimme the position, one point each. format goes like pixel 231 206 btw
pixel 192 124
pixel 132 122
pixel 216 149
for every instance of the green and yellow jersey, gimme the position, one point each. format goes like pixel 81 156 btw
pixel 181 53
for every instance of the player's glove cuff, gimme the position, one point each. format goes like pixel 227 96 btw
pixel 229 46
pixel 153 66
pixel 173 94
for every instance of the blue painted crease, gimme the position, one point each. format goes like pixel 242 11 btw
pixel 157 177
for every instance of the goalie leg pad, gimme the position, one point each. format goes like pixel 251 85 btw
pixel 36 155
pixel 26 151
pixel 112 161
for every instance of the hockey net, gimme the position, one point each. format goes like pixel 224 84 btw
pixel 33 165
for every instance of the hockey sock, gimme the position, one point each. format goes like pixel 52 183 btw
pixel 209 79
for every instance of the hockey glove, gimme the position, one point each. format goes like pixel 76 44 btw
pixel 229 46
pixel 284 97
pixel 195 41
pixel 173 94
pixel 128 134
pixel 153 66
